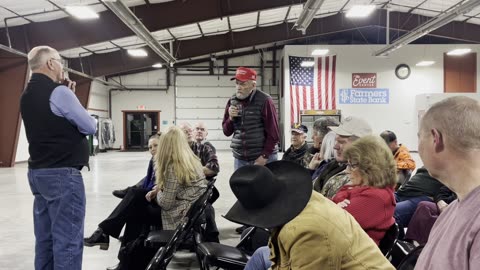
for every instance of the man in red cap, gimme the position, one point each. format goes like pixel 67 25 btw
pixel 251 117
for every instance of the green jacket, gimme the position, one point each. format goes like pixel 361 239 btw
pixel 324 236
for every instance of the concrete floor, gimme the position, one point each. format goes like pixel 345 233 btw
pixel 112 170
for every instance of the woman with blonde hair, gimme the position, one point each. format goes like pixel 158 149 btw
pixel 180 179
pixel 369 197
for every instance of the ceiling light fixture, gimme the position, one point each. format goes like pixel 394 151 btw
pixel 307 63
pixel 360 11
pixel 425 63
pixel 320 52
pixel 82 12
pixel 126 15
pixel 157 65
pixel 428 27
pixel 458 52
pixel 309 10
pixel 137 52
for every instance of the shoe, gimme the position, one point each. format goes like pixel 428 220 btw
pixel 98 238
pixel 120 193
pixel 240 230
pixel 115 267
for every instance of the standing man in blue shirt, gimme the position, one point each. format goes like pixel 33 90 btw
pixel 56 125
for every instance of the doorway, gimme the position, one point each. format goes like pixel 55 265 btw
pixel 138 126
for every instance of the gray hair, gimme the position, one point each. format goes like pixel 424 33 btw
pixel 321 125
pixel 326 150
pixel 39 55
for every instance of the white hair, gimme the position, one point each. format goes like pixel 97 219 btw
pixel 39 55
pixel 326 150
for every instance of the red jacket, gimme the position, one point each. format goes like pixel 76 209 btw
pixel 372 208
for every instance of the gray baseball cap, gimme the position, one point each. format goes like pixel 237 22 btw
pixel 352 126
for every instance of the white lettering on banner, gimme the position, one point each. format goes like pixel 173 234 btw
pixel 364 80
pixel 364 96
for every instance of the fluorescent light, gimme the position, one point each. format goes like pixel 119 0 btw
pixel 318 52
pixel 425 63
pixel 82 12
pixel 157 65
pixel 360 11
pixel 137 52
pixel 307 63
pixel 459 51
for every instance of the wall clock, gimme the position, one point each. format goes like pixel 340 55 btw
pixel 402 71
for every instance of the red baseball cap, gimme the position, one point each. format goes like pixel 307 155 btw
pixel 245 74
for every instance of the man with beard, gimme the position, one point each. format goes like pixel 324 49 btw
pixel 251 117
pixel 296 153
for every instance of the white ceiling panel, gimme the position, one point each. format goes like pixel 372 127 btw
pixel 295 12
pixel 107 50
pixel 474 12
pixel 244 21
pixel 409 3
pixel 13 22
pixel 212 27
pixel 437 5
pixel 47 16
pixel 162 35
pixel 100 46
pixel 474 20
pixel 331 5
pixel 186 31
pixel 126 41
pixel 159 1
pixel 74 53
pixel 273 16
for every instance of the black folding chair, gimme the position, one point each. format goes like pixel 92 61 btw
pixel 387 242
pixel 223 256
pixel 169 241
pixel 408 263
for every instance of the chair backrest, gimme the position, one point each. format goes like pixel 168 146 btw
pixel 387 242
pixel 409 262
pixel 164 254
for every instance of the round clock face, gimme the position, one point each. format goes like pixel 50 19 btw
pixel 402 71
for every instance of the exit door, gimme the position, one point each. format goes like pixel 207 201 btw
pixel 138 126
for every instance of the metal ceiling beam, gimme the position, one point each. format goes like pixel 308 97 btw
pixel 64 33
pixel 428 27
pixel 309 10
pixel 133 22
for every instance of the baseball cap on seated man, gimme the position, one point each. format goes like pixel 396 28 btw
pixel 352 126
pixel 244 74
pixel 299 128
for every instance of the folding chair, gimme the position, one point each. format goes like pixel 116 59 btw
pixel 169 241
pixel 408 263
pixel 387 242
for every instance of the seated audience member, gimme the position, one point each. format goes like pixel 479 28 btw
pixel 420 187
pixel 297 151
pixel 207 154
pixel 426 214
pixel 152 147
pixel 449 145
pixel 405 163
pixel 320 129
pixel 334 176
pixel 369 198
pixel 321 159
pixel 179 182
pixel 308 230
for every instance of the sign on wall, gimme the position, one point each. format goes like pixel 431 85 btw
pixel 364 80
pixel 364 96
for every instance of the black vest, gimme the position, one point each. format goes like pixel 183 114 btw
pixel 53 141
pixel 249 135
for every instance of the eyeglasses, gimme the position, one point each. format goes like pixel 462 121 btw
pixel 352 165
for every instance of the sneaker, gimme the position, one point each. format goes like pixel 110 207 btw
pixel 98 238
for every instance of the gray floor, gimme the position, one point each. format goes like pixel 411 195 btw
pixel 112 170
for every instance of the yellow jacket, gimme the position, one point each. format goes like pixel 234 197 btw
pixel 324 237
pixel 404 159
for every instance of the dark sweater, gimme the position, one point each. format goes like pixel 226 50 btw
pixel 421 184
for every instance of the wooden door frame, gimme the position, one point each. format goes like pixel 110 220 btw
pixel 125 122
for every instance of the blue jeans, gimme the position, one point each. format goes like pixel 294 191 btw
pixel 238 163
pixel 58 216
pixel 405 208
pixel 260 259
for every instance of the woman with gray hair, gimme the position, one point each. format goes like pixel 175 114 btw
pixel 327 153
pixel 320 129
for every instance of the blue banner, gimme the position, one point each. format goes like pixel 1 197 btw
pixel 364 96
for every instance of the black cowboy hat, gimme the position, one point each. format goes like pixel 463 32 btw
pixel 269 196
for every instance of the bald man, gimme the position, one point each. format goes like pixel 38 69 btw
pixel 56 125
pixel 449 145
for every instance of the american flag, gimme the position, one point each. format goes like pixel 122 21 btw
pixel 311 88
